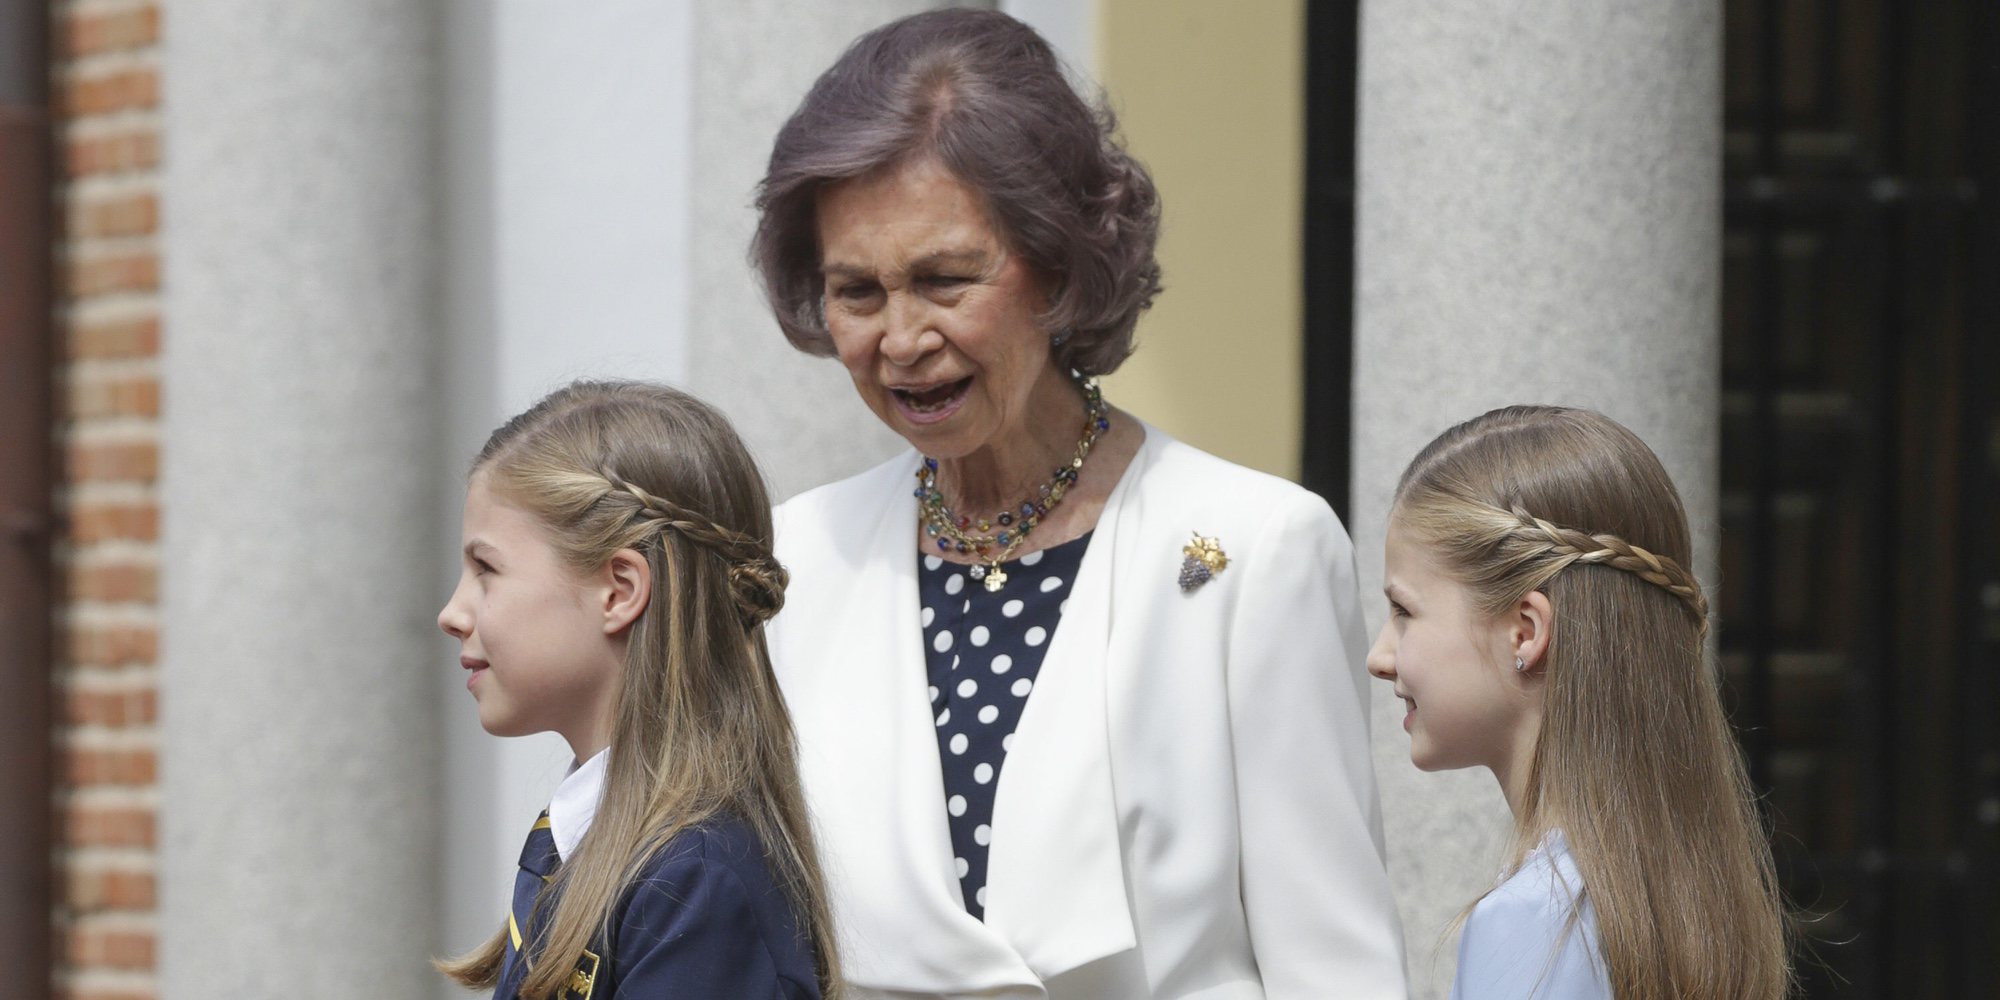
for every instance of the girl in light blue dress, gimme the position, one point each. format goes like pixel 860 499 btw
pixel 1543 624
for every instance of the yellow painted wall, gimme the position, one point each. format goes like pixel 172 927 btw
pixel 1211 98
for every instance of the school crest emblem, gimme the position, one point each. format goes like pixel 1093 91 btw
pixel 583 978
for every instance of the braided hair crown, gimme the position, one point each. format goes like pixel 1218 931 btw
pixel 611 465
pixel 1565 547
pixel 756 580
pixel 1518 495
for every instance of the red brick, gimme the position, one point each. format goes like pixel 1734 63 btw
pixel 132 767
pixel 113 152
pixel 124 146
pixel 104 93
pixel 112 461
pixel 110 948
pixel 87 34
pixel 125 396
pixel 123 338
pixel 128 271
pixel 110 890
pixel 93 523
pixel 112 709
pixel 135 213
pixel 113 582
pixel 112 645
pixel 107 826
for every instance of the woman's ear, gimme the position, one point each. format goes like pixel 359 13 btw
pixel 1534 620
pixel 628 589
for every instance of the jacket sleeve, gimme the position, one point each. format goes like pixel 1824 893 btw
pixel 690 932
pixel 1315 893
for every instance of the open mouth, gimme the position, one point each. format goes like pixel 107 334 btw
pixel 932 402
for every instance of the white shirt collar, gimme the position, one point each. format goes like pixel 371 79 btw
pixel 574 804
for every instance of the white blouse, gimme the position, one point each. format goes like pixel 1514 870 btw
pixel 574 804
pixel 1520 943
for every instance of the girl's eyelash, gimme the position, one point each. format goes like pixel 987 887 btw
pixel 1397 610
pixel 482 565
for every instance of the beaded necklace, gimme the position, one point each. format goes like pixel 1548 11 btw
pixel 962 534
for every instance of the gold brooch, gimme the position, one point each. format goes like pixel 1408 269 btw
pixel 1203 558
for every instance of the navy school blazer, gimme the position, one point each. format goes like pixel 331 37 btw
pixel 704 921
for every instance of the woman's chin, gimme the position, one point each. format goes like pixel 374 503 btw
pixel 946 433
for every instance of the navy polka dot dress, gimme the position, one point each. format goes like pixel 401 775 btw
pixel 984 651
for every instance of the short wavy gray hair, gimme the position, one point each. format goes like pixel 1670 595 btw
pixel 984 95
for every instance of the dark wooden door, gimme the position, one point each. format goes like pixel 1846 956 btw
pixel 1860 610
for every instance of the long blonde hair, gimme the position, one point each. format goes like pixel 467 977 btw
pixel 1634 760
pixel 700 729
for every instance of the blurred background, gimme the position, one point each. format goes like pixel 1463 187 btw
pixel 270 272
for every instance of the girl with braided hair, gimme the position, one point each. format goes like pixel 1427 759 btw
pixel 617 577
pixel 1544 624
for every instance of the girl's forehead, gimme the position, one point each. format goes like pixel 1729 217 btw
pixel 493 516
pixel 479 495
pixel 1399 546
pixel 479 482
pixel 1410 564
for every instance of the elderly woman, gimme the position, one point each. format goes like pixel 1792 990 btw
pixel 1081 708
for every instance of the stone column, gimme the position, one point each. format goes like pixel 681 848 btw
pixel 1539 221
pixel 754 60
pixel 299 757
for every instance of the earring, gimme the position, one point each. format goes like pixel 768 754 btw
pixel 1058 338
pixel 1520 664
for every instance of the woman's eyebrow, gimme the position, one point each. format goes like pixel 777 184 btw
pixel 967 257
pixel 838 269
pixel 949 257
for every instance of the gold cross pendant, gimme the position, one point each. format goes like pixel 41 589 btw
pixel 995 579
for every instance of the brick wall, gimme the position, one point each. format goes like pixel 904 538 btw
pixel 106 55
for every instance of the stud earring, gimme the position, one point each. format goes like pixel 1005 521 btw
pixel 1058 338
pixel 1520 664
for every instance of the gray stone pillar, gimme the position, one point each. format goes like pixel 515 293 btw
pixel 1539 221
pixel 299 756
pixel 754 60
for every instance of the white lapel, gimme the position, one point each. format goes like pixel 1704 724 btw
pixel 869 750
pixel 1056 879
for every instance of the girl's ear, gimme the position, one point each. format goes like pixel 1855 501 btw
pixel 1534 618
pixel 628 589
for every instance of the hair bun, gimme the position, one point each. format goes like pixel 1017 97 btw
pixel 758 586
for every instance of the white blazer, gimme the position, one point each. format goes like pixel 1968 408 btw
pixel 1189 807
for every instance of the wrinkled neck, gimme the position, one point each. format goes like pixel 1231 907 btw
pixel 1022 457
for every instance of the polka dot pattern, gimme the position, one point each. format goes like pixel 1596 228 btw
pixel 977 710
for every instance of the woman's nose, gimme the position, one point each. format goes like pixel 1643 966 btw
pixel 904 342
pixel 1382 656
